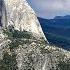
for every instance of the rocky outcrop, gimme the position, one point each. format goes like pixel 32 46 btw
pixel 23 45
pixel 38 58
pixel 22 17
pixel 22 51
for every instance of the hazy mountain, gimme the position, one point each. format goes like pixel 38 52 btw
pixel 62 17
pixel 57 30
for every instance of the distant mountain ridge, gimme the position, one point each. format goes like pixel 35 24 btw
pixel 62 17
pixel 57 30
pixel 56 21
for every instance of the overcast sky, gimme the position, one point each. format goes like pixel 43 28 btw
pixel 50 8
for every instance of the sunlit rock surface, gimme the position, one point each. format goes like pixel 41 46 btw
pixel 30 53
pixel 22 16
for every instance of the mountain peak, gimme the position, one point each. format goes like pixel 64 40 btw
pixel 62 17
pixel 19 14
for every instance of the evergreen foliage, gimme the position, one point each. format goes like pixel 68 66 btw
pixel 62 65
pixel 8 62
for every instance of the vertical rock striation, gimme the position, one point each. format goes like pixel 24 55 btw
pixel 21 50
pixel 22 17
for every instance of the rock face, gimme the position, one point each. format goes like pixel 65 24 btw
pixel 21 50
pixel 22 17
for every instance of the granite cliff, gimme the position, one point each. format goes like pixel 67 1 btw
pixel 23 45
pixel 22 17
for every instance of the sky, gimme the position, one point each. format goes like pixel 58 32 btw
pixel 50 8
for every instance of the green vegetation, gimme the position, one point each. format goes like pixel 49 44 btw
pixel 12 33
pixel 29 62
pixel 17 37
pixel 62 65
pixel 8 62
pixel 42 41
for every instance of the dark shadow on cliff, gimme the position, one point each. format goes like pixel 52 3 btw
pixel 1 3
pixel 3 13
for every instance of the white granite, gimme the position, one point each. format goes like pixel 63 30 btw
pixel 22 16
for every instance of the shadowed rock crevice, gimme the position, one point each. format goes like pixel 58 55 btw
pixel 3 14
pixel 0 21
pixel 1 3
